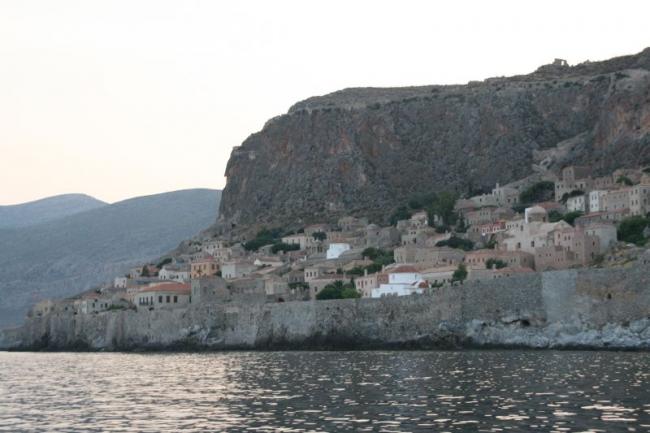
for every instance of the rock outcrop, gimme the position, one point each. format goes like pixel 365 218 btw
pixel 367 150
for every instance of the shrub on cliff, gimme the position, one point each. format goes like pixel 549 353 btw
pixel 281 246
pixel 263 237
pixel 538 192
pixel 631 230
pixel 495 263
pixel 401 213
pixel 456 242
pixel 460 274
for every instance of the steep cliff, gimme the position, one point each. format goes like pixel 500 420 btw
pixel 367 150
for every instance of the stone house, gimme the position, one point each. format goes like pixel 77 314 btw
pixel 488 215
pixel 237 269
pixel 417 235
pixel 596 200
pixel 381 237
pixel 571 246
pixel 514 259
pixel 164 295
pixel 606 233
pixel 617 199
pixel 613 216
pixel 430 256
pixel 577 203
pixel 505 196
pixel 492 274
pixel 316 271
pixel 316 228
pixel 204 267
pixel 120 282
pixel 440 275
pixel 530 236
pixel 574 178
pixel 352 224
pixel 301 239
pixel 464 206
pixel 208 289
pixel 640 199
pixel 175 273
pixel 368 282
pixel 483 232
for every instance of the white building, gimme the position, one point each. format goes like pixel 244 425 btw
pixel 174 273
pixel 335 250
pixel 232 270
pixel 596 201
pixel 402 280
pixel 577 203
pixel 120 282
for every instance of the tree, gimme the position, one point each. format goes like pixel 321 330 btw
pixel 554 216
pixel 319 236
pixel 164 262
pixel 624 180
pixel 493 263
pixel 460 274
pixel 338 290
pixel 456 242
pixel 631 230
pixel 538 192
pixel 401 213
pixel 570 217
pixel 281 246
pixel 443 206
pixel 145 271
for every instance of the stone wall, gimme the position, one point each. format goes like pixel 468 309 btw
pixel 574 308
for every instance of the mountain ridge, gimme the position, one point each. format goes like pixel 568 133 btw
pixel 46 209
pixel 364 151
pixel 66 256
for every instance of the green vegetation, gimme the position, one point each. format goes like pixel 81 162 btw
pixel 570 217
pixel 538 192
pixel 263 237
pixel 319 236
pixel 646 170
pixel 443 206
pixel 299 285
pixel 554 216
pixel 379 257
pixel 145 271
pixel 631 230
pixel 456 242
pixel 460 274
pixel 624 180
pixel 493 263
pixel 338 290
pixel 401 213
pixel 164 262
pixel 281 246
pixel 567 195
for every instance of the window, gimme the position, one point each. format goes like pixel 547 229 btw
pixel 175 299
pixel 160 299
pixel 167 299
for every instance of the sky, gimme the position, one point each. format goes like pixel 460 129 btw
pixel 118 99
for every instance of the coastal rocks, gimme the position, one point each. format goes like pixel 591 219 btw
pixel 563 309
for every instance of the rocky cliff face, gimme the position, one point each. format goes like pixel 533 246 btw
pixel 364 151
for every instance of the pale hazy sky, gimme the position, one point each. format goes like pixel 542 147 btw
pixel 123 98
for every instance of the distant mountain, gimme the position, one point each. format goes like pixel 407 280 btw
pixel 65 256
pixel 47 209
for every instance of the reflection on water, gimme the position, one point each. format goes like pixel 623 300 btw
pixel 483 391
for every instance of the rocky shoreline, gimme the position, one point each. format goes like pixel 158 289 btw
pixel 574 309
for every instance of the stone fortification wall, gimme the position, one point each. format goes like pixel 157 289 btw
pixel 575 308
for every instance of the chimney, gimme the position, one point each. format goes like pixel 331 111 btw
pixel 365 272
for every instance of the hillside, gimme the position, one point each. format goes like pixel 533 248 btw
pixel 365 151
pixel 47 209
pixel 65 256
